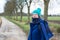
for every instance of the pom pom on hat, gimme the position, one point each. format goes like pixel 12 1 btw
pixel 37 11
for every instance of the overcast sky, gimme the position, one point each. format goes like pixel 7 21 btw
pixel 2 3
pixel 54 7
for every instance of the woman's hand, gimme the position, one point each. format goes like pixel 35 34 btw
pixel 34 16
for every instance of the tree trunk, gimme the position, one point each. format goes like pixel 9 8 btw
pixel 29 10
pixel 46 4
pixel 13 14
pixel 28 14
pixel 10 15
pixel 21 14
pixel 16 15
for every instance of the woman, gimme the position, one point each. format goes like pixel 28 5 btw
pixel 39 29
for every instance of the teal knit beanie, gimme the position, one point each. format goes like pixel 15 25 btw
pixel 37 11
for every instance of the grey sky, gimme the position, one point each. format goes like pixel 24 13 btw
pixel 54 7
pixel 2 3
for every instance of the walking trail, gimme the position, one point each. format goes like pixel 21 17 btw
pixel 10 31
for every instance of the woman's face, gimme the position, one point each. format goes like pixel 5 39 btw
pixel 34 16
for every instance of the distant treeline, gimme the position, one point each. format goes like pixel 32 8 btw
pixel 24 14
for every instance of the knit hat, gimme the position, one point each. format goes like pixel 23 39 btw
pixel 37 11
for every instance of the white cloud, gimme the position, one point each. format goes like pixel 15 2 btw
pixel 2 2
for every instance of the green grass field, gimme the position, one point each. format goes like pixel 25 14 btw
pixel 25 18
pixel 54 18
pixel 25 26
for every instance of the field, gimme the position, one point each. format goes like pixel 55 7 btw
pixel 25 18
pixel 54 18
pixel 26 27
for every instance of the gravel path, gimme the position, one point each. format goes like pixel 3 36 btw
pixel 10 31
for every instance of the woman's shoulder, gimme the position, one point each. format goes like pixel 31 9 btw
pixel 43 21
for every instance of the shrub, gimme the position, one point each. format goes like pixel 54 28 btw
pixel 58 29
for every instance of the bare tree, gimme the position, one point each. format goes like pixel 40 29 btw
pixel 46 4
pixel 28 5
pixel 20 6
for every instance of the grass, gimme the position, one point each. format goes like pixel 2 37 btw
pixel 55 25
pixel 54 18
pixel 25 18
pixel 25 26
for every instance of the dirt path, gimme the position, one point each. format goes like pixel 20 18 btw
pixel 10 31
